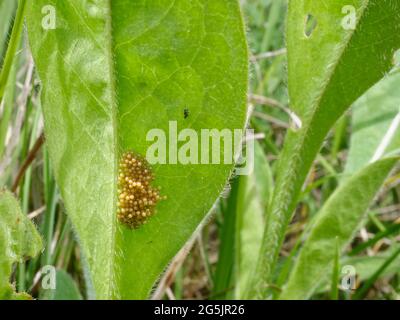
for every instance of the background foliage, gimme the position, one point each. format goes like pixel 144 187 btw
pixel 216 264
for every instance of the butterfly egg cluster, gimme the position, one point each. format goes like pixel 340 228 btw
pixel 136 196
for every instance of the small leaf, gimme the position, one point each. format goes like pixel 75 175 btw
pixel 368 284
pixel 18 240
pixel 339 218
pixel 367 266
pixel 66 288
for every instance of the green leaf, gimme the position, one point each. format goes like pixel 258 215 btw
pixel 66 288
pixel 367 266
pixel 327 73
pixel 360 294
pixel 339 218
pixel 18 240
pixel 373 115
pixel 111 71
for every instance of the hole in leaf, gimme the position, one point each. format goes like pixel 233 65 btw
pixel 310 25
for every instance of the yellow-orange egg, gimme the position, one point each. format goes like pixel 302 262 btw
pixel 134 182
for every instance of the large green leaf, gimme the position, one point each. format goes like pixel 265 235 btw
pixel 328 70
pixel 18 240
pixel 338 219
pixel 111 71
pixel 373 116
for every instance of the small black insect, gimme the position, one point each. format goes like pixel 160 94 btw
pixel 186 113
pixel 36 87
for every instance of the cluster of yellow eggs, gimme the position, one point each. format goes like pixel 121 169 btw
pixel 136 196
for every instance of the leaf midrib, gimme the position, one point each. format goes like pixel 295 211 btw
pixel 114 108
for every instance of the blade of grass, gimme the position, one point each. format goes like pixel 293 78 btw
pixel 204 257
pixel 339 136
pixel 51 203
pixel 7 12
pixel 272 21
pixel 23 145
pixel 376 221
pixel 25 197
pixel 7 104
pixel 392 230
pixel 178 284
pixel 223 275
pixel 12 46
pixel 65 231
